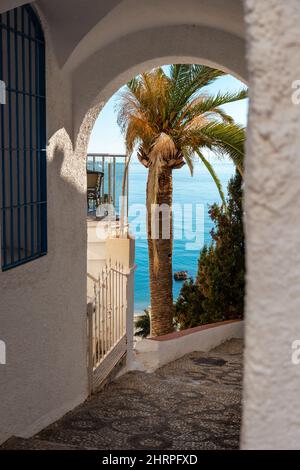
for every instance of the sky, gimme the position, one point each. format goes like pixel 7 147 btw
pixel 107 138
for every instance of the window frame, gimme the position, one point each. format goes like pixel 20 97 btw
pixel 25 98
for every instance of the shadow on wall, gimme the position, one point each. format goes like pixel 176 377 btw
pixel 45 301
pixel 66 199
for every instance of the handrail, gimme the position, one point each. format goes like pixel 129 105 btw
pixel 92 277
pixel 111 268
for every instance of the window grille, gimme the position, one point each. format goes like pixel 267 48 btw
pixel 22 138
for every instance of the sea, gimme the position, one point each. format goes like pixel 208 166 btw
pixel 192 196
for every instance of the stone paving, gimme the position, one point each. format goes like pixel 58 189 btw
pixel 192 403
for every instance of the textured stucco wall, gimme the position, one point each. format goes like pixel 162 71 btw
pixel 105 71
pixel 272 383
pixel 119 22
pixel 43 303
pixel 8 4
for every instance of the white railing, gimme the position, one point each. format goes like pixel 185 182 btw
pixel 107 321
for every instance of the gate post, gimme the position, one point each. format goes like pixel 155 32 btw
pixel 130 315
pixel 90 311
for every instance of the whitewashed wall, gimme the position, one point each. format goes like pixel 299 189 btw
pixel 43 303
pixel 272 382
pixel 150 354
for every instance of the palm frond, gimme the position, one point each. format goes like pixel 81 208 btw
pixel 229 140
pixel 188 158
pixel 208 105
pixel 133 85
pixel 163 147
pixel 213 175
pixel 219 112
pixel 138 130
pixel 168 115
pixel 224 139
pixel 189 79
pixel 220 99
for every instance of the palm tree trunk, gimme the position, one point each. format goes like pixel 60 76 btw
pixel 161 275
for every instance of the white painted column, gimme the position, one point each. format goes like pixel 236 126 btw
pixel 271 416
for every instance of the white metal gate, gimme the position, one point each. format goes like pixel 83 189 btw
pixel 107 316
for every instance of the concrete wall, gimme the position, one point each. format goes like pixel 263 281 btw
pixel 152 353
pixel 96 255
pixel 272 382
pixel 43 303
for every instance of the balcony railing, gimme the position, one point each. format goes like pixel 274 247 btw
pixel 113 167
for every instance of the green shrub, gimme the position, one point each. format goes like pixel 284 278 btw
pixel 188 309
pixel 218 292
pixel 142 325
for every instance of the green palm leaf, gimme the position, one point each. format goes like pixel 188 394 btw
pixel 188 157
pixel 213 175
pixel 224 139
pixel 186 80
pixel 209 105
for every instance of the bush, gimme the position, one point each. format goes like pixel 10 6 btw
pixel 142 325
pixel 218 292
pixel 188 308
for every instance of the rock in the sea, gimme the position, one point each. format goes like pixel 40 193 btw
pixel 180 275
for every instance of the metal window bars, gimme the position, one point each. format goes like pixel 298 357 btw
pixel 22 138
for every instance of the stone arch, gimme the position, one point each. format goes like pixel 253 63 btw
pixel 99 75
pixel 104 72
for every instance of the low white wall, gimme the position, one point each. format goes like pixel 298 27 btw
pixel 150 354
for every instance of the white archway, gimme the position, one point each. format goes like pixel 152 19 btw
pixel 103 73
pixel 100 75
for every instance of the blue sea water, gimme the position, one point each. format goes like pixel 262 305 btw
pixel 190 190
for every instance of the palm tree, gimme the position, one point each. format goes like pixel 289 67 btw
pixel 168 118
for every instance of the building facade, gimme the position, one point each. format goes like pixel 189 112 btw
pixel 89 53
